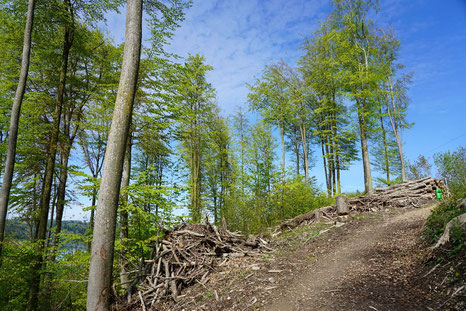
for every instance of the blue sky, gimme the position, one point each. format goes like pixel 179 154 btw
pixel 239 37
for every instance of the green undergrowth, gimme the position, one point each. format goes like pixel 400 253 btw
pixel 440 216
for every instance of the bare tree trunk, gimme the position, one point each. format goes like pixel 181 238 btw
pixel 369 189
pixel 306 161
pixel 296 148
pixel 50 167
pixel 91 220
pixel 124 217
pixel 329 165
pixel 61 196
pixel 100 270
pixel 385 147
pixel 14 120
pixel 282 137
pixel 338 176
pixel 327 182
pixel 396 130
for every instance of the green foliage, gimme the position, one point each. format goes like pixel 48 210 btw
pixel 451 166
pixel 228 169
pixel 440 216
pixel 15 274
pixel 420 168
pixel 298 198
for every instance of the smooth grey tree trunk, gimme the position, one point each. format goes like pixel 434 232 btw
pixel 14 120
pixel 369 188
pixel 302 128
pixel 100 270
pixel 124 216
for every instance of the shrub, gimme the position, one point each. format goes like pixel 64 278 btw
pixel 451 166
pixel 438 219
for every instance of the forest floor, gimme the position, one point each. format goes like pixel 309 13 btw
pixel 372 261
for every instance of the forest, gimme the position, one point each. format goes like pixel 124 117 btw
pixel 138 132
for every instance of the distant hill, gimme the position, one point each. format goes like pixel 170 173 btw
pixel 19 229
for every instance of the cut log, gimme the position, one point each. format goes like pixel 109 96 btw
pixel 457 221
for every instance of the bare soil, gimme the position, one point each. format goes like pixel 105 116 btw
pixel 371 262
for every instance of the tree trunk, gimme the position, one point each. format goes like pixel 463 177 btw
pixel 302 129
pixel 282 137
pixel 329 165
pixel 296 148
pixel 50 167
pixel 385 147
pixel 14 120
pixel 91 220
pixel 124 217
pixel 396 131
pixel 325 167
pixel 338 176
pixel 100 270
pixel 369 189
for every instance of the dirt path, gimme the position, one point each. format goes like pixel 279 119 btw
pixel 373 262
pixel 365 269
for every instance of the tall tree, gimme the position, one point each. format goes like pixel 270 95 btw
pixel 69 26
pixel 14 120
pixel 394 91
pixel 357 51
pixel 269 96
pixel 194 96
pixel 330 117
pixel 263 175
pixel 100 271
pixel 241 130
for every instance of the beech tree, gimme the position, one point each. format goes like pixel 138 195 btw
pixel 14 119
pixel 100 270
pixel 268 95
pixel 355 41
pixel 193 95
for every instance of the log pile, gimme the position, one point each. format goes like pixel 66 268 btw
pixel 407 194
pixel 186 256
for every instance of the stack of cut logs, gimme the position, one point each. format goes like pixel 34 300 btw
pixel 408 194
pixel 413 193
pixel 186 256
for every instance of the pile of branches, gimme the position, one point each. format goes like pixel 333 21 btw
pixel 413 193
pixel 184 257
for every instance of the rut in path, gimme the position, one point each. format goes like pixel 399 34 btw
pixel 366 269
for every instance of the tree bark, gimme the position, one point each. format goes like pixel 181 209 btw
pixel 325 166
pixel 124 217
pixel 306 161
pixel 100 271
pixel 14 120
pixel 369 188
pixel 282 138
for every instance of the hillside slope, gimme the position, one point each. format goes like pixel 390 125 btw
pixel 374 261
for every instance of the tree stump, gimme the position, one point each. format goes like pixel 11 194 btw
pixel 342 207
pixel 318 215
